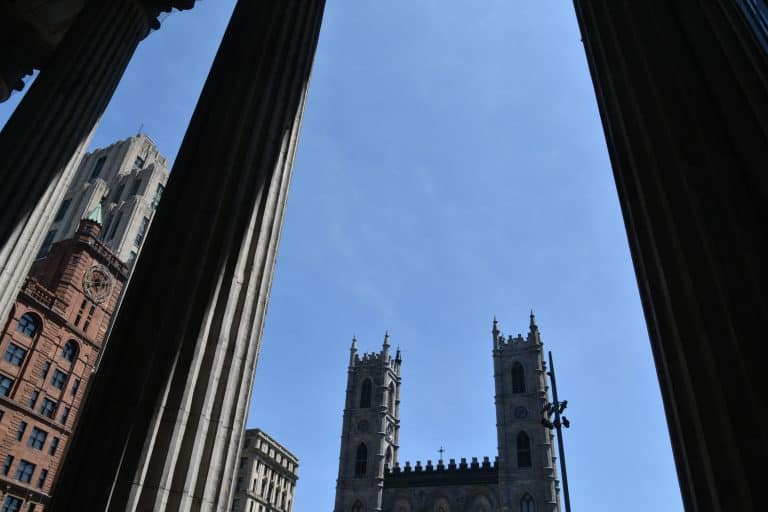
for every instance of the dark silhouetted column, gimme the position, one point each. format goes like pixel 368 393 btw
pixel 164 418
pixel 42 142
pixel 683 93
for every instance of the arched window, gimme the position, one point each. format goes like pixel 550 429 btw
pixel 357 507
pixel 365 394
pixel 523 450
pixel 518 378
pixel 69 351
pixel 391 398
pixel 389 457
pixel 527 504
pixel 28 325
pixel 361 460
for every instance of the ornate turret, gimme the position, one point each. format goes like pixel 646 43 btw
pixel 385 346
pixel 90 225
pixel 353 351
pixel 533 331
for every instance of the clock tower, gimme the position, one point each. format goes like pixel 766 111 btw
pixel 370 430
pixel 48 350
pixel 527 473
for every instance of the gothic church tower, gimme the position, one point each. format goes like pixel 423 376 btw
pixel 527 473
pixel 371 429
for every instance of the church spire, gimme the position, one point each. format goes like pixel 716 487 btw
pixel 385 346
pixel 495 332
pixel 353 351
pixel 533 330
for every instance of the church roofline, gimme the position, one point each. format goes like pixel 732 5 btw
pixel 475 472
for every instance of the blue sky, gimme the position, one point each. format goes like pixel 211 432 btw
pixel 452 166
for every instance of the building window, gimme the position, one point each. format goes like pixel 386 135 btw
pixel 24 471
pixel 15 354
pixel 46 368
pixel 527 504
pixel 115 224
pixel 75 387
pixel 58 378
pixel 365 394
pixel 7 464
pixel 97 168
pixel 20 431
pixel 62 210
pixel 138 163
pixel 357 507
pixel 158 195
pixel 54 445
pixel 361 460
pixel 69 351
pixel 11 504
pixel 64 416
pixel 37 438
pixel 48 408
pixel 391 399
pixel 142 231
pixel 47 242
pixel 41 480
pixel 523 450
pixel 518 378
pixel 131 258
pixel 33 398
pixel 5 385
pixel 28 326
pixel 243 462
pixel 135 187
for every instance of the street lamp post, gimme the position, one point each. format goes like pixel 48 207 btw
pixel 556 408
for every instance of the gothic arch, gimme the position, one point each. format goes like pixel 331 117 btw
pixel 402 503
pixel 388 459
pixel 357 507
pixel 366 393
pixel 518 377
pixel 527 503
pixel 391 398
pixel 524 459
pixel 481 503
pixel 361 460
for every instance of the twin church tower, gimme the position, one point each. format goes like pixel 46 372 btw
pixel 523 478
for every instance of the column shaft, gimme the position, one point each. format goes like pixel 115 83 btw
pixel 42 141
pixel 683 93
pixel 166 411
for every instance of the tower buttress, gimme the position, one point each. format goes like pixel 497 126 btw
pixel 526 460
pixel 370 429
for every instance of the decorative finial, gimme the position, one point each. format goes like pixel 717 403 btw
pixel 94 215
pixel 533 320
pixel 353 348
pixel 386 337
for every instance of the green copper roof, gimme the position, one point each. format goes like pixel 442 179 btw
pixel 95 214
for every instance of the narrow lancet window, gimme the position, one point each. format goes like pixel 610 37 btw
pixel 361 460
pixel 523 450
pixel 365 394
pixel 518 378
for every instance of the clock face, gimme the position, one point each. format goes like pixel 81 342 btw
pixel 390 431
pixel 97 284
pixel 521 412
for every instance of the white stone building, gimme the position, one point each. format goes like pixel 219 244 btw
pixel 266 475
pixel 128 179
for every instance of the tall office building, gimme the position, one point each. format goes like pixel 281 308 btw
pixel 127 179
pixel 49 347
pixel 266 475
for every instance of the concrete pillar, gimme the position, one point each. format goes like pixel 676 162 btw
pixel 165 414
pixel 44 138
pixel 683 93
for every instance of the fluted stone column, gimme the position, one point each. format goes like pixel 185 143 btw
pixel 165 413
pixel 42 141
pixel 683 93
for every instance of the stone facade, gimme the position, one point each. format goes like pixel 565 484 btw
pixel 127 179
pixel 523 478
pixel 50 345
pixel 266 476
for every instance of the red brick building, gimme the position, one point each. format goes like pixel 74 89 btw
pixel 48 350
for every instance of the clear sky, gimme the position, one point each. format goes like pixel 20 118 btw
pixel 452 166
